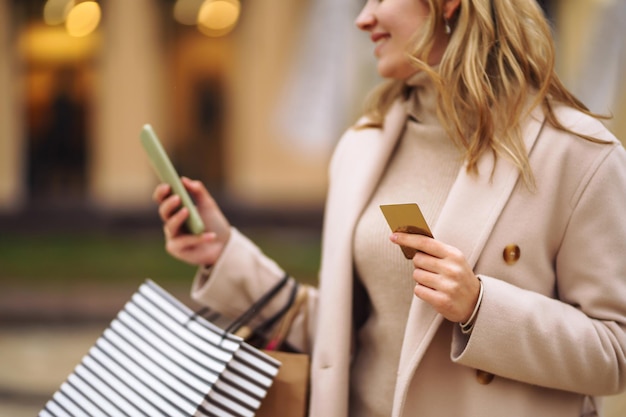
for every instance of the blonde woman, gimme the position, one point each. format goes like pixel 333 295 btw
pixel 516 306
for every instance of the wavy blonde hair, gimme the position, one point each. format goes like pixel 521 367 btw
pixel 498 66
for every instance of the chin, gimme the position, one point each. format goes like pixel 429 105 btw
pixel 395 72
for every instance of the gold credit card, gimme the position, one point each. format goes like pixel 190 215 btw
pixel 406 218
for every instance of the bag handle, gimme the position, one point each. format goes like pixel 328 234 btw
pixel 211 315
pixel 288 312
pixel 247 315
pixel 280 334
pixel 245 318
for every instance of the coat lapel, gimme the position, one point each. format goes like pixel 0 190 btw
pixel 351 187
pixel 466 221
pixel 355 180
pixel 369 166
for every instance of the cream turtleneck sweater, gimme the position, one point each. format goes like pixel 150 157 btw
pixel 421 170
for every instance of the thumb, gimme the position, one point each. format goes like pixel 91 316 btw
pixel 198 192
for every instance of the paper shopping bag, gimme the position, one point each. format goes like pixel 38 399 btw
pixel 288 395
pixel 158 358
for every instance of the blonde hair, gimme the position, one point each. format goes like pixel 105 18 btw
pixel 499 58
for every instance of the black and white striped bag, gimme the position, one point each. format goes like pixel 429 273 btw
pixel 158 358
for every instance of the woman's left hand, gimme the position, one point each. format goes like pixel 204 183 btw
pixel 443 277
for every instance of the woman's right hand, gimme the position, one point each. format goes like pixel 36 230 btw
pixel 202 249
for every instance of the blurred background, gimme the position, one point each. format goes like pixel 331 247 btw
pixel 248 96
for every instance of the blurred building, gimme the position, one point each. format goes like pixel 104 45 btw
pixel 251 100
pixel 591 37
pixel 72 106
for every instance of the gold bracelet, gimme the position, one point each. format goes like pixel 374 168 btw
pixel 466 327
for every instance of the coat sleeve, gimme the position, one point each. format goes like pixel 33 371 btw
pixel 576 341
pixel 241 276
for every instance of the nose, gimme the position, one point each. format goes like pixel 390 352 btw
pixel 366 19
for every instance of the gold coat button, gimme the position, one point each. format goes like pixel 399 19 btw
pixel 511 254
pixel 483 377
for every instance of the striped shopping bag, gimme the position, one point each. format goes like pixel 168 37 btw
pixel 158 358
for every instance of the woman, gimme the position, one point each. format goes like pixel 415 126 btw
pixel 516 307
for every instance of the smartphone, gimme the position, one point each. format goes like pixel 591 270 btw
pixel 406 218
pixel 167 173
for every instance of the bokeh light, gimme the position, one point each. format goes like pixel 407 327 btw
pixel 218 17
pixel 83 19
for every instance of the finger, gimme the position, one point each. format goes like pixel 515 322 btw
pixel 440 301
pixel 447 267
pixel 168 207
pixel 421 243
pixel 173 225
pixel 193 249
pixel 426 262
pixel 187 242
pixel 428 294
pixel 160 192
pixel 197 190
pixel 427 279
pixel 208 207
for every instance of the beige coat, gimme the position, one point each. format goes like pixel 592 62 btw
pixel 552 322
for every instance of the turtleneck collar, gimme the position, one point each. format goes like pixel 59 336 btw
pixel 422 100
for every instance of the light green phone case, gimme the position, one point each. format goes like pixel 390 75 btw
pixel 167 173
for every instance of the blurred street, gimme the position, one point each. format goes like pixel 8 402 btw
pixel 35 360
pixel 44 335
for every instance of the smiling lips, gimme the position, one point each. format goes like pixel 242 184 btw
pixel 378 38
